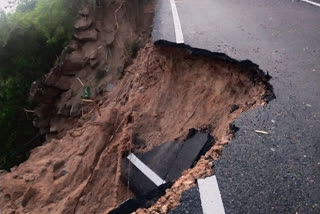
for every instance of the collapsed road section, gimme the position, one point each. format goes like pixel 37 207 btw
pixel 149 174
pixel 166 162
pixel 165 92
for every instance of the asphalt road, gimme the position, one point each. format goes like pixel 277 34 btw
pixel 278 172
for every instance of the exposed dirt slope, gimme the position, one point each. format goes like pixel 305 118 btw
pixel 161 96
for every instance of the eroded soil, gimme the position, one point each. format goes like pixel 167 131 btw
pixel 163 94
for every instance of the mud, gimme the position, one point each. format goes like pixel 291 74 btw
pixel 163 94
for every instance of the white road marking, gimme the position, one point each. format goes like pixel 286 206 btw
pixel 176 22
pixel 146 170
pixel 210 196
pixel 311 2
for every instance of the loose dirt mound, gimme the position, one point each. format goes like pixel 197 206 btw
pixel 163 94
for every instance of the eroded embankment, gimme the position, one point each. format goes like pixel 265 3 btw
pixel 163 94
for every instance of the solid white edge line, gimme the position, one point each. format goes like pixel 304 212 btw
pixel 311 2
pixel 176 22
pixel 211 201
pixel 145 170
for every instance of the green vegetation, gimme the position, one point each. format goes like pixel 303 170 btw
pixel 30 41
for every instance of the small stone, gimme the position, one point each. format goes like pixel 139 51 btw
pixel 234 108
pixel 73 45
pixel 164 208
pixel 64 110
pixel 88 35
pixel 13 169
pixel 75 110
pixel 83 23
pixel 72 63
pixel 109 87
pixel 85 11
pixel 29 178
pixel 48 163
pixel 188 182
pixel 57 165
pixel 141 89
pixel 93 63
pixel 53 129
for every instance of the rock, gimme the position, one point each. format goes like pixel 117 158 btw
pixel 141 89
pixel 29 177
pixel 48 163
pixel 88 35
pixel 93 63
pixel 109 87
pixel 57 165
pixel 13 169
pixel 43 110
pixel 63 83
pixel 73 45
pixel 64 110
pixel 73 63
pixel 58 81
pixel 82 150
pixel 85 11
pixel 83 23
pixel 51 78
pixel 94 57
pixel 75 110
pixel 53 129
pixel 164 209
pixel 109 38
pixel 187 182
pixel 31 192
pixel 42 94
pixel 41 123
pixel 234 108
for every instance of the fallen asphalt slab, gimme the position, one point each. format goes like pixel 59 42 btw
pixel 149 174
pixel 144 172
pixel 278 171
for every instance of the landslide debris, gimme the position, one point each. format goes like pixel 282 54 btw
pixel 105 40
pixel 163 94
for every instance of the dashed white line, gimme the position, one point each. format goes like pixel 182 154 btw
pixel 176 22
pixel 211 201
pixel 311 2
pixel 145 170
